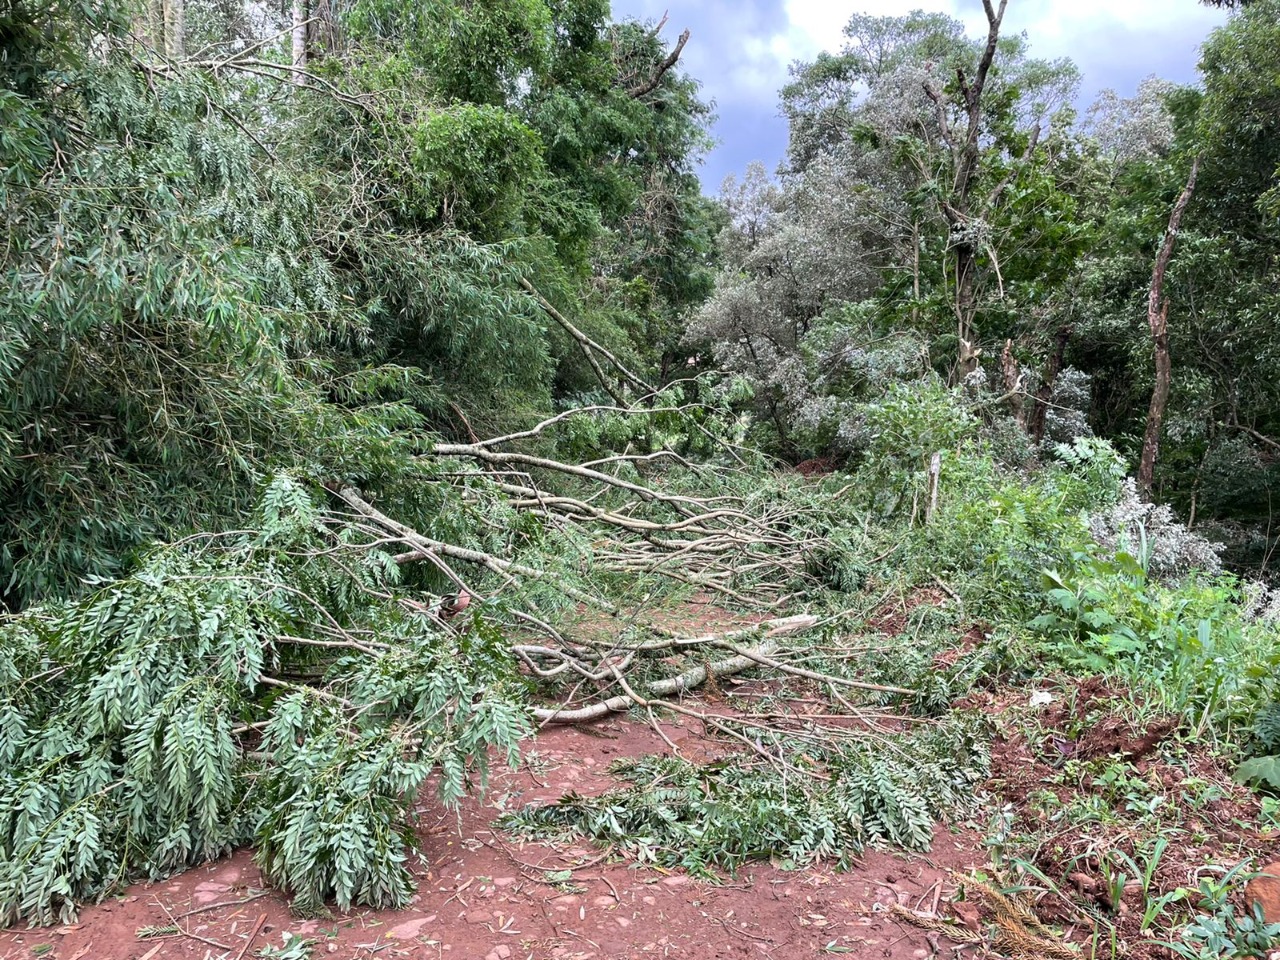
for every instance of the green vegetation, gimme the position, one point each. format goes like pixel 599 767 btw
pixel 719 815
pixel 377 384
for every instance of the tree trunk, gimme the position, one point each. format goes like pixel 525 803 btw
pixel 1159 399
pixel 300 41
pixel 968 359
pixel 155 25
pixel 935 475
pixel 1047 382
pixel 915 272
pixel 175 29
pixel 965 150
pixel 1158 320
pixel 1011 374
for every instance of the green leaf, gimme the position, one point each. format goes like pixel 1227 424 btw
pixel 1260 770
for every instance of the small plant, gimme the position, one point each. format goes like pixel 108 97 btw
pixel 1141 868
pixel 1219 931
pixel 292 947
pixel 1224 934
pixel 1264 769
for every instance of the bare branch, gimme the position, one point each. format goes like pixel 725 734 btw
pixel 651 84
pixel 588 347
pixel 944 123
pixel 688 680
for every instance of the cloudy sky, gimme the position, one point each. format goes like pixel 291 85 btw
pixel 741 49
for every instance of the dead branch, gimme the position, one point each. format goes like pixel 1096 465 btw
pixel 651 84
pixel 589 347
pixel 425 547
pixel 680 503
pixel 576 412
pixel 1260 437
pixel 694 677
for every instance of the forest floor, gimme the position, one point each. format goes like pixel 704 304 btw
pixel 483 894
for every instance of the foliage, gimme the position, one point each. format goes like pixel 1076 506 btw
pixel 846 259
pixel 207 280
pixel 1184 647
pixel 235 294
pixel 1219 931
pixel 292 947
pixel 997 528
pixel 170 722
pixel 725 813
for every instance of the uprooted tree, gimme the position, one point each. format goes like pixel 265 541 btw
pixel 281 686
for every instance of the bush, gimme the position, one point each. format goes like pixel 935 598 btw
pixel 1185 647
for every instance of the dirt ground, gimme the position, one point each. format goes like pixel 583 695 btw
pixel 483 895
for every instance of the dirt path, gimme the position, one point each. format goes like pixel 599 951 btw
pixel 484 896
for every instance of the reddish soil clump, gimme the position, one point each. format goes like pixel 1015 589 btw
pixel 970 640
pixel 815 467
pixel 891 617
pixel 1090 723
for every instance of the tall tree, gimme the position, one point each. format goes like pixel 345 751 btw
pixel 956 201
pixel 1158 322
pixel 844 270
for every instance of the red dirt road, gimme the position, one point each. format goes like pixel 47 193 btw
pixel 484 896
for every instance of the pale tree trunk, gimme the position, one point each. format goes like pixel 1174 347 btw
pixel 957 207
pixel 300 41
pixel 1158 321
pixel 153 29
pixel 175 29
pixel 915 271
pixel 1011 374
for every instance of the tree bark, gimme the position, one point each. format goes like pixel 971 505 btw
pixel 1011 374
pixel 638 91
pixel 299 11
pixel 155 24
pixel 1158 321
pixel 175 29
pixel 1048 381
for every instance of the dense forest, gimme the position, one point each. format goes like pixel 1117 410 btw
pixel 376 381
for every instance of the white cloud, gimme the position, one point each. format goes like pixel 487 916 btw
pixel 1056 28
pixel 741 49
pixel 1068 24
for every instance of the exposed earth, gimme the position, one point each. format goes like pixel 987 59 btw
pixel 484 895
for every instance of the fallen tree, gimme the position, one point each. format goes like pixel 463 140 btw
pixel 282 686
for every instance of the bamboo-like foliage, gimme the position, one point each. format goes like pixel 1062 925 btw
pixel 205 280
pixel 211 698
pixel 676 813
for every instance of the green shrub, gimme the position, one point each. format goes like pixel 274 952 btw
pixel 1185 646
